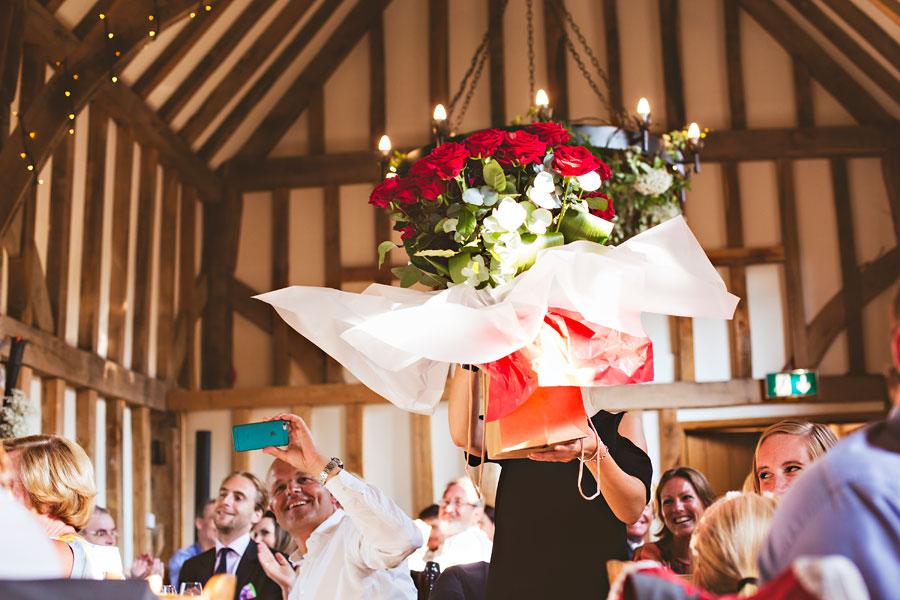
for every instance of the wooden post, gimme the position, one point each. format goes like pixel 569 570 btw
pixel 52 405
pixel 140 467
pixel 613 58
pixel 121 219
pixel 165 467
pixel 166 308
pixel 438 53
pixel 669 25
pixel 304 411
pixel 669 439
pixel 495 47
pixel 353 452
pixel 115 422
pixel 558 80
pixel 144 259
pixel 86 422
pixel 186 275
pixel 420 454
pixel 240 461
pixel 280 268
pixel 60 231
pixel 790 237
pixel 682 336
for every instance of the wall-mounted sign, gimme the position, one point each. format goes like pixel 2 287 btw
pixel 792 384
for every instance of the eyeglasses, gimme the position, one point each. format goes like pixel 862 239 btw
pixel 103 533
pixel 455 503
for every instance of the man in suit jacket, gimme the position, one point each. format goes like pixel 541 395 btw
pixel 241 503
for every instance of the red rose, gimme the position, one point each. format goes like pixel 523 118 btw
pixel 571 161
pixel 429 186
pixel 421 166
pixel 523 148
pixel 407 191
pixel 484 143
pixel 448 159
pixel 408 232
pixel 552 133
pixel 384 193
pixel 607 214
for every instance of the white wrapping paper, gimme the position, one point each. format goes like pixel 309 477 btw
pixel 401 342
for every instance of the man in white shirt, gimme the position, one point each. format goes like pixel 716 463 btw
pixel 461 511
pixel 355 550
pixel 241 503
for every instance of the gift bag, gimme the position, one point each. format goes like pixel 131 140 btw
pixel 551 415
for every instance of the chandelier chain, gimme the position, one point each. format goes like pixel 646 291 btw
pixel 531 50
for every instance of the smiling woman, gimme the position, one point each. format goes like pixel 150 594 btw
pixel 683 494
pixel 784 450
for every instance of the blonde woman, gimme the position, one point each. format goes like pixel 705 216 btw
pixel 727 541
pixel 54 479
pixel 784 450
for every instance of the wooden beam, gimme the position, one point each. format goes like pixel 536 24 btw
pixel 186 274
pixel 11 29
pixel 165 471
pixel 240 461
pixel 121 225
pixel 165 311
pixel 669 26
pixel 213 58
pixel 92 236
pixel 739 326
pixel 377 83
pixel 790 237
pixel 53 404
pixel 682 336
pixel 670 435
pixel 555 48
pixel 803 94
pixel 140 342
pixel 818 142
pixel 316 118
pixel 177 49
pixel 368 272
pixel 255 174
pixel 296 99
pixel 613 60
pixel 51 357
pixel 850 94
pixel 734 65
pixel 304 412
pixel 496 62
pixel 59 232
pixel 115 490
pixel 890 170
pixel 353 440
pixel 858 55
pixel 256 93
pixel 420 455
pixel 438 53
pixel 321 394
pixel 281 358
pixel 868 29
pixel 853 305
pixel 244 68
pixel 891 8
pixel 333 263
pixel 86 422
pixel 141 481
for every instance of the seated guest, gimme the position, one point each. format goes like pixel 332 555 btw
pixel 636 533
pixel 269 533
pixel 101 531
pixel 240 505
pixel 462 582
pixel 784 450
pixel 726 543
pixel 357 550
pixel 487 522
pixel 54 479
pixel 429 524
pixel 206 539
pixel 459 519
pixel 682 495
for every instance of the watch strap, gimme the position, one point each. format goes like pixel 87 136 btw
pixel 333 464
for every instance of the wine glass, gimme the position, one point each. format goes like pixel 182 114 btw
pixel 168 590
pixel 191 588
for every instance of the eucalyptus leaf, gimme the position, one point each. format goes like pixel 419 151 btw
pixel 576 225
pixel 494 176
pixel 384 248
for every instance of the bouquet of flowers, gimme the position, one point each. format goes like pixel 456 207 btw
pixel 480 210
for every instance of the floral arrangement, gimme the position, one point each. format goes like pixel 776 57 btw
pixel 14 415
pixel 646 189
pixel 478 211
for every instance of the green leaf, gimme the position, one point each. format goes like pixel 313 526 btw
pixel 457 264
pixel 444 253
pixel 576 225
pixel 528 251
pixel 408 275
pixel 466 224
pixel 384 248
pixel 598 203
pixel 494 176
pixel 433 281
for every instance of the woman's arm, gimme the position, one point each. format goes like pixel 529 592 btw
pixel 624 493
pixel 66 557
pixel 466 429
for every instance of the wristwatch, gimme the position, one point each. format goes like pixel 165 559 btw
pixel 334 463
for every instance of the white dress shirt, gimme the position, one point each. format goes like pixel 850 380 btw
pixel 238 547
pixel 467 546
pixel 360 551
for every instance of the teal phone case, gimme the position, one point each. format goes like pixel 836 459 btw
pixel 254 436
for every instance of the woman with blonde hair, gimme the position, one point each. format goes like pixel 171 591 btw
pixel 54 479
pixel 727 541
pixel 784 450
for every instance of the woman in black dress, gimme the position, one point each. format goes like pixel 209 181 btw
pixel 549 541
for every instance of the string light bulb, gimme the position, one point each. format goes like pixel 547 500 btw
pixel 75 76
pixel 102 16
pixel 22 155
pixel 150 17
pixel 30 167
pixel 152 33
pixel 114 79
pixel 110 35
pixel 71 131
pixel 67 93
pixel 31 134
pixel 208 7
pixel 193 14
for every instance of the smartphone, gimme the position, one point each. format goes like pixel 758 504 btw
pixel 254 436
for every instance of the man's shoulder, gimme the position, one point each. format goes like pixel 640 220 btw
pixel 187 552
pixel 198 559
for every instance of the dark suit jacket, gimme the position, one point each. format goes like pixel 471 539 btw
pixel 462 582
pixel 200 568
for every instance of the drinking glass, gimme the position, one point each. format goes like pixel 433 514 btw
pixel 191 588
pixel 168 590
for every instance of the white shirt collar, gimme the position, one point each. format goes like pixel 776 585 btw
pixel 239 546
pixel 324 527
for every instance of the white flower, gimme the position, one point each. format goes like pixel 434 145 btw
pixel 544 181
pixel 475 272
pixel 509 214
pixel 543 199
pixel 654 183
pixel 589 182
pixel 473 196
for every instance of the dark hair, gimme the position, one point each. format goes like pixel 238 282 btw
pixel 201 508
pixel 698 482
pixel 429 512
pixel 283 541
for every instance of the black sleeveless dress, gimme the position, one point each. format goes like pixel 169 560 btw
pixel 549 542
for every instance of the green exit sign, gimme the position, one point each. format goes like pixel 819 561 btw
pixel 792 384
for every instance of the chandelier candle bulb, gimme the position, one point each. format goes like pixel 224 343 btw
pixel 384 146
pixel 643 109
pixel 439 124
pixel 542 102
pixel 694 137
